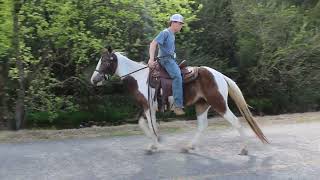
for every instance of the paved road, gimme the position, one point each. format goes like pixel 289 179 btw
pixel 294 154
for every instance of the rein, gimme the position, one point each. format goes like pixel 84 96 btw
pixel 154 131
pixel 134 72
pixel 150 107
pixel 123 75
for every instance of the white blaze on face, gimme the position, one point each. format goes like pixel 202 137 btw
pixel 95 73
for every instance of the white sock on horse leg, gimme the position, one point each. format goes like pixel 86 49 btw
pixel 144 127
pixel 202 125
pixel 243 136
pixel 152 127
pixel 229 116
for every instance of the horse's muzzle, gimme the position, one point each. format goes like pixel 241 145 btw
pixel 98 78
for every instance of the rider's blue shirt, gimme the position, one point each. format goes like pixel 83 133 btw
pixel 166 39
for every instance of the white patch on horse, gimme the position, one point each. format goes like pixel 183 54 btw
pixel 221 82
pixel 95 73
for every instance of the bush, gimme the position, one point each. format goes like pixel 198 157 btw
pixel 261 105
pixel 75 119
pixel 38 119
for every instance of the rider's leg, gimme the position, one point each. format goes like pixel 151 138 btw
pixel 174 71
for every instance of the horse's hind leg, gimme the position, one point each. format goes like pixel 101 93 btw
pixel 229 116
pixel 218 101
pixel 202 112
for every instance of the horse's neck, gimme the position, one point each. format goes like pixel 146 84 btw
pixel 126 66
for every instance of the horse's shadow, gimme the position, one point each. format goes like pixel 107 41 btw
pixel 168 164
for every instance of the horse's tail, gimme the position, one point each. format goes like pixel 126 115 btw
pixel 236 94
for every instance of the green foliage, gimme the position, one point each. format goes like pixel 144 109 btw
pixel 105 115
pixel 62 119
pixel 212 38
pixel 277 54
pixel 41 96
pixel 261 105
pixel 5 27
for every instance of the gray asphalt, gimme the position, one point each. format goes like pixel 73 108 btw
pixel 293 154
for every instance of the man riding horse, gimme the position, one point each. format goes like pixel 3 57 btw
pixel 210 89
pixel 166 57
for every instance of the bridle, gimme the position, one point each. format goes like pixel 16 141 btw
pixel 105 76
pixel 111 67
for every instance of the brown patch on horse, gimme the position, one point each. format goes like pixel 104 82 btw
pixel 192 92
pixel 204 87
pixel 132 86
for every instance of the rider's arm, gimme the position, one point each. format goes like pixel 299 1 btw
pixel 152 50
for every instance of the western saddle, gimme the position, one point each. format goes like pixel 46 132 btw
pixel 162 82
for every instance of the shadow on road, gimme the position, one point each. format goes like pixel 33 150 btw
pixel 170 164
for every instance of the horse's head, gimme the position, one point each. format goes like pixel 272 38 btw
pixel 106 66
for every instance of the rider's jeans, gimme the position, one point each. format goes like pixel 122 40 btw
pixel 174 71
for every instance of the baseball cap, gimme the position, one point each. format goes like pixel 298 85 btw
pixel 177 18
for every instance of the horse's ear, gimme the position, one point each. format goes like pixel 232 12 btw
pixel 104 51
pixel 110 49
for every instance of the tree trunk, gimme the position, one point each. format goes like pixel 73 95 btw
pixel 3 104
pixel 20 107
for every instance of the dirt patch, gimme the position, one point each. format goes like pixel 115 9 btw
pixel 216 123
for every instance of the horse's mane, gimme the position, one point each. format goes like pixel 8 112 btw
pixel 125 55
pixel 122 53
pixel 142 62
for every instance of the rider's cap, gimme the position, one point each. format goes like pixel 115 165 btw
pixel 177 18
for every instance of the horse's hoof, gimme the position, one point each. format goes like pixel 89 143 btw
pixel 191 147
pixel 153 147
pixel 185 150
pixel 148 152
pixel 243 152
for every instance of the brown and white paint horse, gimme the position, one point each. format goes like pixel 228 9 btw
pixel 210 89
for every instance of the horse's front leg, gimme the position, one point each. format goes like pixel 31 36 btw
pixel 150 128
pixel 144 126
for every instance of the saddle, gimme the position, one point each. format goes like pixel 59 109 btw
pixel 160 80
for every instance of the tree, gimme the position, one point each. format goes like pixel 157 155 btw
pixel 213 31
pixel 3 104
pixel 278 54
pixel 20 105
pixel 5 44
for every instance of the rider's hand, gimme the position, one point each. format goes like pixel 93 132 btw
pixel 151 63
